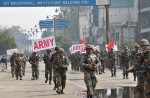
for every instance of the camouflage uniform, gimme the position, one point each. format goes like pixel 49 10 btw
pixel 34 61
pixel 134 59
pixel 125 61
pixel 89 65
pixel 111 59
pixel 19 63
pixel 102 58
pixel 13 64
pixel 24 64
pixel 48 66
pixel 60 64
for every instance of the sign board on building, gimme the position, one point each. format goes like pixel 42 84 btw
pixel 37 3
pixel 46 24
pixel 11 51
pixel 61 24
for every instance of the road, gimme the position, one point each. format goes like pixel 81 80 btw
pixel 27 88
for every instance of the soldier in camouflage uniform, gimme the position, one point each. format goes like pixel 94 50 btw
pixel 34 61
pixel 90 62
pixel 19 64
pixel 135 57
pixel 24 64
pixel 13 64
pixel 111 59
pixel 103 59
pixel 60 64
pixel 125 61
pixel 48 66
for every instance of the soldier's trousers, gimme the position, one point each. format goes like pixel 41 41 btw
pixel 13 70
pixel 90 81
pixel 125 68
pixel 147 85
pixel 23 69
pixel 103 66
pixel 35 71
pixel 18 71
pixel 60 75
pixel 48 72
pixel 113 69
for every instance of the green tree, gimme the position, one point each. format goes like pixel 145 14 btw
pixel 6 41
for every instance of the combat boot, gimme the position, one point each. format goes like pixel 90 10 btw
pixel 50 82
pixel 112 75
pixel 20 78
pixel 127 77
pixel 16 77
pixel 46 80
pixel 62 92
pixel 58 91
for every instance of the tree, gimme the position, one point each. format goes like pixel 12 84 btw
pixel 6 41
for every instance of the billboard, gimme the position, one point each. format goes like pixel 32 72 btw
pixel 37 3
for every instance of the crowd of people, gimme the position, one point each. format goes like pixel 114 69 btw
pixel 91 63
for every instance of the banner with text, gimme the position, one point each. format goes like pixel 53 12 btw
pixel 45 43
pixel 11 51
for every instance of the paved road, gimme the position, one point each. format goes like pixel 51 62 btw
pixel 27 88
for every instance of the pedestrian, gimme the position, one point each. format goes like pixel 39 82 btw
pixel 90 63
pixel 24 63
pixel 3 63
pixel 34 61
pixel 12 63
pixel 48 66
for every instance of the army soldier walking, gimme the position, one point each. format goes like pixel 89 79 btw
pixel 60 64
pixel 90 62
pixel 13 64
pixel 111 59
pixel 34 61
pixel 24 64
pixel 48 66
pixel 126 61
pixel 19 64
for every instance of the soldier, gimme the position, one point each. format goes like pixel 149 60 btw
pixel 61 63
pixel 111 59
pixel 126 61
pixel 13 64
pixel 48 66
pixel 135 57
pixel 34 61
pixel 19 64
pixel 90 62
pixel 24 64
pixel 103 59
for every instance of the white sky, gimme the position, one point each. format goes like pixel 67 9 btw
pixel 25 17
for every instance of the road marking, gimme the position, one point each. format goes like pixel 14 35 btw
pixel 76 84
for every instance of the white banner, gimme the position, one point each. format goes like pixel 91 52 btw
pixel 76 48
pixel 115 47
pixel 11 51
pixel 45 43
pixel 96 48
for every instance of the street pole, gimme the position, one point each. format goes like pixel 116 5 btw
pixel 107 23
pixel 78 23
pixel 139 19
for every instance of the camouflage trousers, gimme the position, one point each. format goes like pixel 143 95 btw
pixel 35 71
pixel 147 85
pixel 18 71
pixel 90 81
pixel 48 72
pixel 125 68
pixel 140 85
pixel 113 69
pixel 12 70
pixel 60 76
pixel 23 69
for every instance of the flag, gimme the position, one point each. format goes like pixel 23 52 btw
pixel 110 45
pixel 82 41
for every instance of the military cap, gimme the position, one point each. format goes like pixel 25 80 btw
pixel 57 48
pixel 144 42
pixel 126 47
pixel 89 47
pixel 137 46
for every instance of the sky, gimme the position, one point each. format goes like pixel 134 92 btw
pixel 25 17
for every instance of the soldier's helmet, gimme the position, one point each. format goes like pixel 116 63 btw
pixel 126 47
pixel 144 42
pixel 48 50
pixel 137 46
pixel 89 47
pixel 61 50
pixel 57 48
